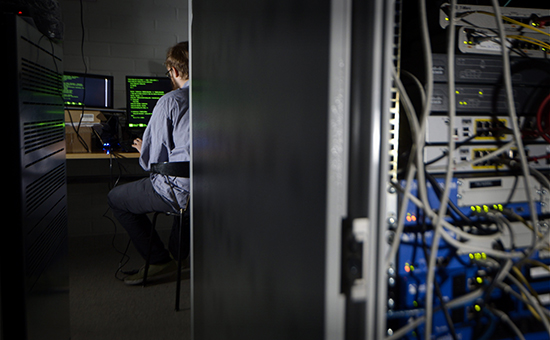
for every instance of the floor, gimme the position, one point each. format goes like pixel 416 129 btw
pixel 103 307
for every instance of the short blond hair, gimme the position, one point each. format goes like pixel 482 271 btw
pixel 177 57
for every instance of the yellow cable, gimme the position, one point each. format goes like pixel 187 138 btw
pixel 516 23
pixel 537 263
pixel 530 40
pixel 523 280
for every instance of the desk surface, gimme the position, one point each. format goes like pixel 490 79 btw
pixel 100 155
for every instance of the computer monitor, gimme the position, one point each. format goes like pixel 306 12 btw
pixel 142 94
pixel 88 90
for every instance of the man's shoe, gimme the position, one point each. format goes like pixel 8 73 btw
pixel 156 272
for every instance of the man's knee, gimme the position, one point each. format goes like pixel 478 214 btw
pixel 113 197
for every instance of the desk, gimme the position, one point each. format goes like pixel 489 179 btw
pixel 100 155
pixel 101 166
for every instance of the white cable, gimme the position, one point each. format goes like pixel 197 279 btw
pixel 541 178
pixel 458 302
pixel 477 249
pixel 508 289
pixel 513 118
pixel 448 178
pixel 430 214
pixel 533 301
pixel 464 246
pixel 507 321
pixel 420 141
pixel 418 84
pixel 459 245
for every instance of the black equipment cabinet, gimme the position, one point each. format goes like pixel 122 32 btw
pixel 33 241
pixel 260 153
pixel 278 123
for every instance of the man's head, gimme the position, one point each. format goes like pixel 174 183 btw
pixel 177 58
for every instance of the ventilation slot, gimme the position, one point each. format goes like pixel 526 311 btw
pixel 37 78
pixel 28 165
pixel 38 135
pixel 44 187
pixel 55 58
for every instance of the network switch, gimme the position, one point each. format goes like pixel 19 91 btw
pixel 487 99
pixel 487 69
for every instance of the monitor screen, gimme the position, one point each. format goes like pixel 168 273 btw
pixel 142 93
pixel 88 90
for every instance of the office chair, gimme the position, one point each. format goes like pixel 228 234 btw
pixel 173 169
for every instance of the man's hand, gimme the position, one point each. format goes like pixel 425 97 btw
pixel 137 144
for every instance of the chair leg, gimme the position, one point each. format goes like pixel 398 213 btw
pixel 178 274
pixel 146 269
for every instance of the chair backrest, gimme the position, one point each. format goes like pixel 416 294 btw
pixel 175 169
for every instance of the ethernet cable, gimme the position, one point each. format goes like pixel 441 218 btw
pixel 455 303
pixel 513 117
pixel 457 232
pixel 500 314
pixel 509 290
pixel 449 175
pixel 411 168
pixel 516 272
pixel 505 148
pixel 533 301
pixel 426 45
pixel 530 40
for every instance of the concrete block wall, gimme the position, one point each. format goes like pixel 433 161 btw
pixel 122 37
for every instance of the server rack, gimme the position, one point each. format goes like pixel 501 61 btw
pixel 34 271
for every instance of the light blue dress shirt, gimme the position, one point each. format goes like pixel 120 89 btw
pixel 167 139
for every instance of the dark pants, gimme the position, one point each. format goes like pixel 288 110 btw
pixel 131 203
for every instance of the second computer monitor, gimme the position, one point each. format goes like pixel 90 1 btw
pixel 88 90
pixel 142 94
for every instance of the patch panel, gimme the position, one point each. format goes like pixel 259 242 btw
pixel 465 156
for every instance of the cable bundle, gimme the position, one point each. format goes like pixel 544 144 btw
pixel 446 242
